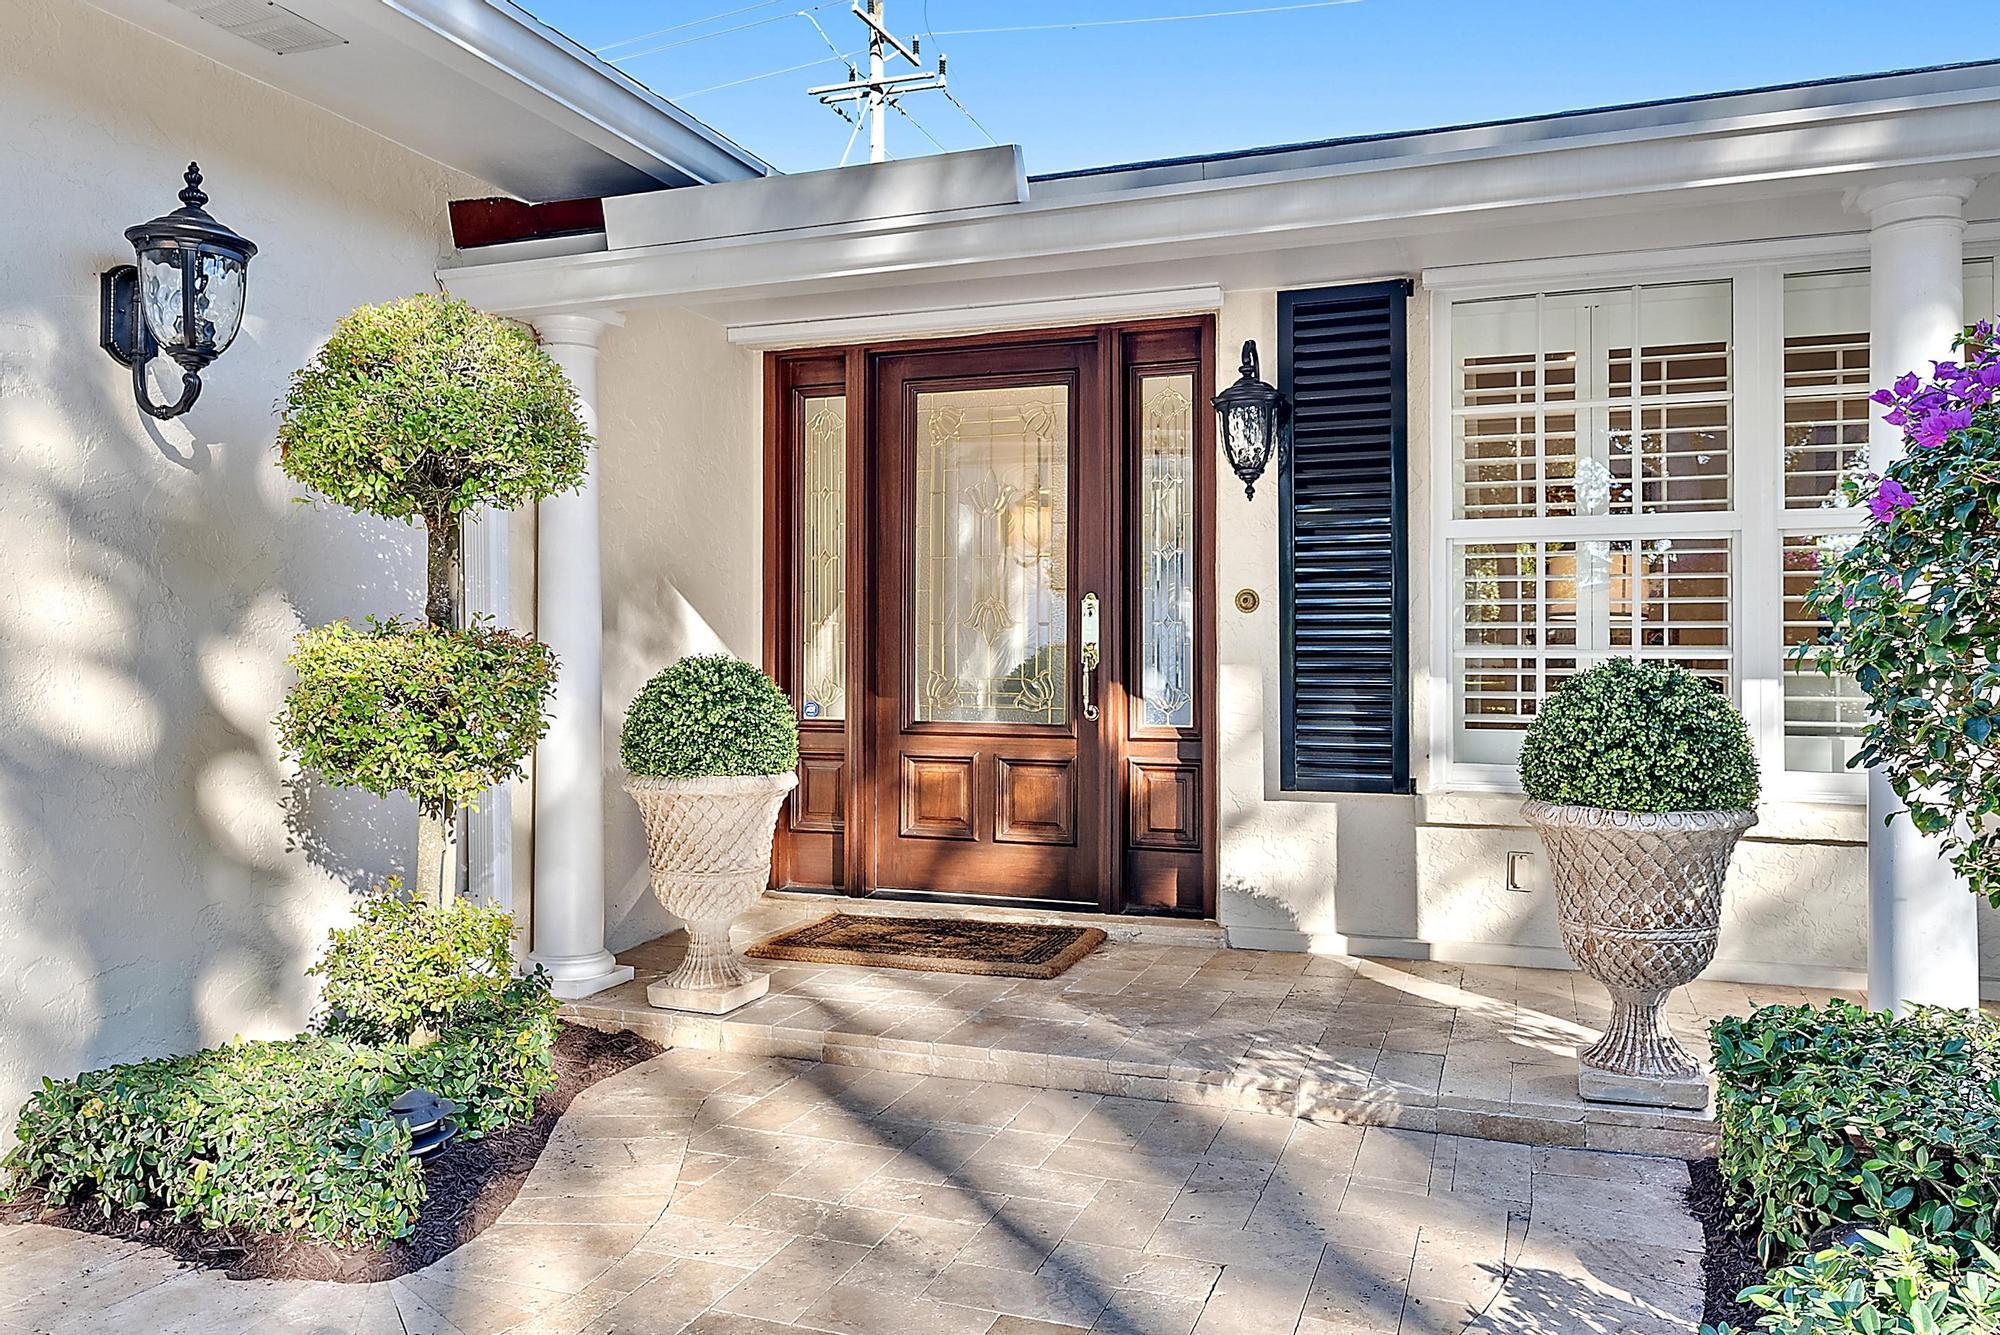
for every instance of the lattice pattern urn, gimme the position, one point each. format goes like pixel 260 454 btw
pixel 708 842
pixel 1639 898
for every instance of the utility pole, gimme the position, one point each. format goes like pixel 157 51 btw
pixel 873 96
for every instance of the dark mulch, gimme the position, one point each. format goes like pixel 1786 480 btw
pixel 466 1186
pixel 1729 1262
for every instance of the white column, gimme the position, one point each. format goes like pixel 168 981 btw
pixel 1923 930
pixel 489 830
pixel 568 936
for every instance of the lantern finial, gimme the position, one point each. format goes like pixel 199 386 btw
pixel 191 195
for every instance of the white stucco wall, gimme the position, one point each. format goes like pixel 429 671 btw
pixel 681 484
pixel 151 897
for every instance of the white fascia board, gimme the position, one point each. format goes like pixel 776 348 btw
pixel 907 191
pixel 1783 154
pixel 538 65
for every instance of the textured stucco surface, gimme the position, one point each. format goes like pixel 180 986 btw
pixel 681 490
pixel 151 896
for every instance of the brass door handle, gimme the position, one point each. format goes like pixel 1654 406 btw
pixel 1088 654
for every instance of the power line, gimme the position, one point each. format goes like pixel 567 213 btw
pixel 677 27
pixel 920 127
pixel 768 74
pixel 719 32
pixel 1154 18
pixel 977 124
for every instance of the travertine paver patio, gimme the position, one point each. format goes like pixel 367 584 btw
pixel 1460 1049
pixel 729 1195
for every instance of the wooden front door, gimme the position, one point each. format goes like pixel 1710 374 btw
pixel 956 530
pixel 988 758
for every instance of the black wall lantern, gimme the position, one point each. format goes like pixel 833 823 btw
pixel 184 297
pixel 1250 417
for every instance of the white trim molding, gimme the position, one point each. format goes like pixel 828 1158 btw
pixel 1100 308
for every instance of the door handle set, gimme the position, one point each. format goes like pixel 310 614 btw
pixel 1088 654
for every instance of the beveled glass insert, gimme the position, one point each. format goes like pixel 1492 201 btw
pixel 990 555
pixel 823 559
pixel 1166 545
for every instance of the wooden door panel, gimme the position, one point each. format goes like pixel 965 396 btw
pixel 1034 801
pixel 1165 805
pixel 937 797
pixel 818 800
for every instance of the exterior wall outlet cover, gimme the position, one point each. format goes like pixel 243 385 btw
pixel 1522 872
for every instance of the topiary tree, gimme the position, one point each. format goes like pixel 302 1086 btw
pixel 425 409
pixel 710 714
pixel 437 713
pixel 1639 736
pixel 1912 609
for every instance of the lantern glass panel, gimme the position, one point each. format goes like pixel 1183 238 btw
pixel 218 298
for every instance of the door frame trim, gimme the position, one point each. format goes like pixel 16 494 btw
pixel 854 857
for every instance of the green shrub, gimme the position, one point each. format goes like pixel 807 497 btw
pixel 405 966
pixel 286 1136
pixel 297 1136
pixel 1639 736
pixel 441 715
pixel 427 408
pixel 1887 1283
pixel 1841 1117
pixel 495 1060
pixel 710 714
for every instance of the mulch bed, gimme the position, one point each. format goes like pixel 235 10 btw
pixel 466 1186
pixel 1729 1261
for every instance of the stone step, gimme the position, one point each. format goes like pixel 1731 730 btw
pixel 1543 1116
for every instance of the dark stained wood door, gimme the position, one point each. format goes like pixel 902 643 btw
pixel 937 514
pixel 991 539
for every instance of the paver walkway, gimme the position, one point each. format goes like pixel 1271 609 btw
pixel 723 1194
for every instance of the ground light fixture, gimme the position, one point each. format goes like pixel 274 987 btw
pixel 184 297
pixel 1251 419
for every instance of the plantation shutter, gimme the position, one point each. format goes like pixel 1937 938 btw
pixel 1343 540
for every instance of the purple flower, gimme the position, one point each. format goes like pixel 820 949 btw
pixel 1989 374
pixel 1896 417
pixel 1884 396
pixel 1906 384
pixel 1889 497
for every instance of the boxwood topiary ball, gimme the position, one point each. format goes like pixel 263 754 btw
pixel 710 715
pixel 1639 736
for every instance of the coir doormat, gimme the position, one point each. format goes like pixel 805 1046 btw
pixel 934 945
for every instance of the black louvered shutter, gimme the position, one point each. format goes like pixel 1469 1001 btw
pixel 1344 567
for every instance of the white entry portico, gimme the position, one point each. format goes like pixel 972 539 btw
pixel 1752 194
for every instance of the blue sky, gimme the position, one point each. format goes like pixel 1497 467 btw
pixel 1089 95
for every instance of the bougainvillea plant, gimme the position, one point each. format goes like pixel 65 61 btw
pixel 1912 609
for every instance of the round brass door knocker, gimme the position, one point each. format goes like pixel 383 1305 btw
pixel 1247 600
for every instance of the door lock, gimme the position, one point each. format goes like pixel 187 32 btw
pixel 1088 655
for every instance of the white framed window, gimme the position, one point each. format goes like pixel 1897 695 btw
pixel 1649 469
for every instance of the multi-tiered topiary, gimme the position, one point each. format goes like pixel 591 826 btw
pixel 426 409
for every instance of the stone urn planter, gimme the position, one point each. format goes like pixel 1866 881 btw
pixel 712 745
pixel 1640 778
pixel 708 843
pixel 1639 900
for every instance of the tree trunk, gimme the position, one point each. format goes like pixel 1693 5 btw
pixel 437 849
